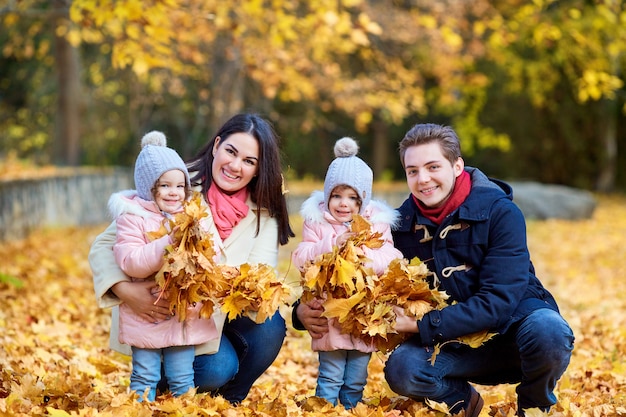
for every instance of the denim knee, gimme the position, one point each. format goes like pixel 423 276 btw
pixel 401 377
pixel 546 337
pixel 214 371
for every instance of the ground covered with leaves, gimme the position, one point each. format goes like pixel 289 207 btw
pixel 54 358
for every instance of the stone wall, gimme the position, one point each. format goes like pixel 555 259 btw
pixel 79 196
pixel 73 198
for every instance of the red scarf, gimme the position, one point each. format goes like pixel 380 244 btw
pixel 227 209
pixel 461 190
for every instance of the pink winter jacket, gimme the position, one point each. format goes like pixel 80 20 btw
pixel 140 259
pixel 319 235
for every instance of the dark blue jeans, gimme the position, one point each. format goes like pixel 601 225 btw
pixel 246 350
pixel 534 353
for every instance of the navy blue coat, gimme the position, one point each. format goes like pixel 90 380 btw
pixel 480 258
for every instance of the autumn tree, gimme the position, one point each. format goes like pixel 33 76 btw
pixel 375 62
pixel 528 86
pixel 554 53
pixel 46 122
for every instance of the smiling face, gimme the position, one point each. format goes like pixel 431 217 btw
pixel 343 203
pixel 169 191
pixel 236 161
pixel 429 174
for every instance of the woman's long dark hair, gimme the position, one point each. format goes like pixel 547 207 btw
pixel 266 188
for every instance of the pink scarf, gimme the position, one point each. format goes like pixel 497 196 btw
pixel 227 209
pixel 461 190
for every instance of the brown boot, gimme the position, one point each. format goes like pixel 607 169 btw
pixel 475 404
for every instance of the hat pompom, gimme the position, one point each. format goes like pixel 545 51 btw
pixel 348 169
pixel 155 138
pixel 346 147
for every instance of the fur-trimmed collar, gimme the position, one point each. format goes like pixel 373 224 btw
pixel 129 202
pixel 312 210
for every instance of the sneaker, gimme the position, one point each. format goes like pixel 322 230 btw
pixel 475 404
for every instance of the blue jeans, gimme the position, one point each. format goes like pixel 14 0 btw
pixel 534 353
pixel 342 376
pixel 246 350
pixel 177 365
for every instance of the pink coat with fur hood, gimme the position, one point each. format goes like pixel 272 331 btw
pixel 140 259
pixel 319 235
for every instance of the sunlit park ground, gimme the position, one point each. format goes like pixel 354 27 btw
pixel 54 358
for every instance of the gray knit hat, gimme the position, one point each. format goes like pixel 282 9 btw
pixel 348 169
pixel 153 161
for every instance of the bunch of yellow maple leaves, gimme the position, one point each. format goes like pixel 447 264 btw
pixel 361 301
pixel 190 274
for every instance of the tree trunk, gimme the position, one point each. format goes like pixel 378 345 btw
pixel 607 176
pixel 67 143
pixel 227 82
pixel 380 133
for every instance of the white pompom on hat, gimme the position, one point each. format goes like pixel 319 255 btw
pixel 153 161
pixel 348 169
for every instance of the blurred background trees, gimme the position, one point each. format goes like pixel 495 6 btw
pixel 534 89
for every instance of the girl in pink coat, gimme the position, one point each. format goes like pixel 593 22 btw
pixel 162 185
pixel 343 360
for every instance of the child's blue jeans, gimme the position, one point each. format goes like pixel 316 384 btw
pixel 342 376
pixel 177 364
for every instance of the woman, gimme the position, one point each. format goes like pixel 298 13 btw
pixel 238 172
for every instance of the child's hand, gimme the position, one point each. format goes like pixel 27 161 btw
pixel 173 234
pixel 343 238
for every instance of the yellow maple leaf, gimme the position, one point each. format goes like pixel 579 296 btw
pixel 472 340
pixel 234 304
pixel 340 307
pixel 476 339
pixel 438 406
pixel 344 275
pixel 157 234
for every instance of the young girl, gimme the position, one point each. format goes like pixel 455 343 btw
pixel 343 360
pixel 162 183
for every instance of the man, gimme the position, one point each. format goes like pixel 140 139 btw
pixel 472 236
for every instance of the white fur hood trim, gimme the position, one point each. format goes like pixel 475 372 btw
pixel 124 202
pixel 312 210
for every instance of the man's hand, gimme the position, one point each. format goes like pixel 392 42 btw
pixel 309 315
pixel 404 323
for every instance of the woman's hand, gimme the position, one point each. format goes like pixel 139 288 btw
pixel 141 297
pixel 404 323
pixel 309 315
